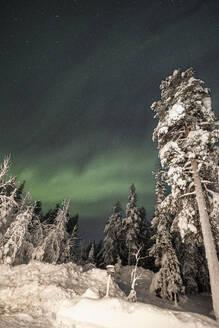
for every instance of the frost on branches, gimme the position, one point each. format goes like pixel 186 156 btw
pixel 187 130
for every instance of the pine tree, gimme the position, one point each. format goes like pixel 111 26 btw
pixel 91 257
pixel 113 236
pixel 75 243
pixel 145 241
pixel 35 227
pixel 99 254
pixel 49 217
pixel 186 135
pixel 19 192
pixel 134 227
pixel 167 282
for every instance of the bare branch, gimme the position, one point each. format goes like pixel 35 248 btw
pixel 191 185
pixel 135 276
pixel 210 191
pixel 187 164
pixel 187 194
pixel 207 182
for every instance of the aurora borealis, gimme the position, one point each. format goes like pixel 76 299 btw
pixel 77 82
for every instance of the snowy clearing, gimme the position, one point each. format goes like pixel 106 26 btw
pixel 63 296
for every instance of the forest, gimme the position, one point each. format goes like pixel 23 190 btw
pixel 181 242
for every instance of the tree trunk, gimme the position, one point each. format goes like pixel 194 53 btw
pixel 210 249
pixel 129 255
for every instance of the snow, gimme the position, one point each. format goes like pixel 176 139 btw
pixel 207 103
pixel 64 296
pixel 176 112
pixel 174 175
pixel 184 226
pixel 163 130
pixel 116 313
pixel 168 150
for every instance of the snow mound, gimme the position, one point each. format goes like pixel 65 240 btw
pixel 91 293
pixel 117 313
pixel 40 295
pixel 41 288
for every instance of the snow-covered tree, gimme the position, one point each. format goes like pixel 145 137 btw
pixel 49 217
pixel 186 135
pixel 160 188
pixel 134 226
pixel 14 243
pixel 9 204
pixel 91 258
pixel 35 227
pixel 55 243
pixel 113 237
pixel 167 282
pixel 75 244
pixel 99 254
pixel 15 217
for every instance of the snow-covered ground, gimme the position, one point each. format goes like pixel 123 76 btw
pixel 64 296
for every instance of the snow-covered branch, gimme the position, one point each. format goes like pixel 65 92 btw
pixel 207 182
pixel 4 167
pixel 187 194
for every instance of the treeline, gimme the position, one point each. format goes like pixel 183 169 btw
pixel 125 234
pixel 26 234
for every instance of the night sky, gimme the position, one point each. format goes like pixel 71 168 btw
pixel 77 81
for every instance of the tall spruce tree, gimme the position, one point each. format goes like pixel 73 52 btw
pixel 134 227
pixel 112 242
pixel 186 135
pixel 91 253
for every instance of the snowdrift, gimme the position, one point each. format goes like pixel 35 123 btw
pixel 63 296
pixel 117 313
